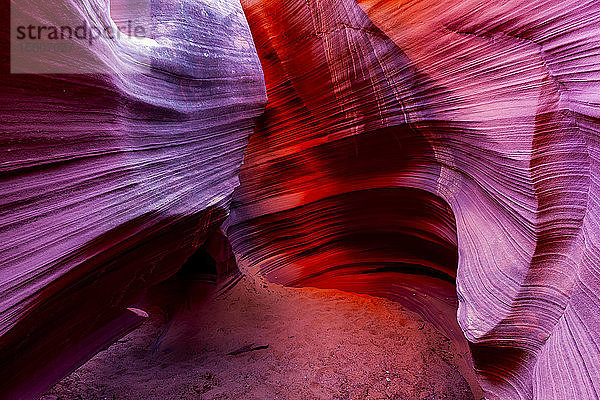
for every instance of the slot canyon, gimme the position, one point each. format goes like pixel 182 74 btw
pixel 300 199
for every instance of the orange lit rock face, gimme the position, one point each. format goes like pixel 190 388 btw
pixel 493 111
pixel 325 234
pixel 338 135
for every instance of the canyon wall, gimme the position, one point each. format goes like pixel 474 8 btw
pixel 408 143
pixel 111 180
pixel 441 154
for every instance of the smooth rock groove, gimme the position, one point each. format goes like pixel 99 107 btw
pixel 443 154
pixel 110 181
pixel 401 136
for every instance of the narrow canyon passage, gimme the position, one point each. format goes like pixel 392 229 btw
pixel 260 341
pixel 297 199
pixel 302 342
pixel 404 249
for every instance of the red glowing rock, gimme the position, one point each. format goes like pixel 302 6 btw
pixel 489 114
pixel 442 154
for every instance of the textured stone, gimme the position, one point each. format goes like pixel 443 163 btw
pixel 442 154
pixel 110 181
pixel 491 109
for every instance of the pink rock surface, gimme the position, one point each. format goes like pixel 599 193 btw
pixel 442 154
pixel 491 108
pixel 110 181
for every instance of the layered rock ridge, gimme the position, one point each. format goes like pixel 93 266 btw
pixel 478 119
pixel 441 154
pixel 111 180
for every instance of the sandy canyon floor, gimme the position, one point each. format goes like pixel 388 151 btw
pixel 263 341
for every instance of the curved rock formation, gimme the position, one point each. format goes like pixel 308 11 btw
pixel 442 154
pixel 110 181
pixel 490 108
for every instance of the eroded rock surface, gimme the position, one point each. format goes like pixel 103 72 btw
pixel 110 181
pixel 442 154
pixel 489 108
